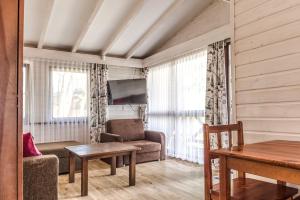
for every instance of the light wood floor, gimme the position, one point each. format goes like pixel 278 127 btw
pixel 165 180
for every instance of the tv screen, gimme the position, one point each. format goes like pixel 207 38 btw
pixel 131 91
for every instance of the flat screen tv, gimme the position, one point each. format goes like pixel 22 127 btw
pixel 123 92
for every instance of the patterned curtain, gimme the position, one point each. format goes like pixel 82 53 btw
pixel 143 108
pixel 216 109
pixel 216 106
pixel 98 101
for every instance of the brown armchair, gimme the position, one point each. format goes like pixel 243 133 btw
pixel 131 131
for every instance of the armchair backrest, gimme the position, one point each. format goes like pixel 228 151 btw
pixel 128 129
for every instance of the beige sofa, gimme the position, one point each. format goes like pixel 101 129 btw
pixel 40 178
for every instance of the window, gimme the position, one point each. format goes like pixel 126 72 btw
pixel 56 100
pixel 176 93
pixel 69 94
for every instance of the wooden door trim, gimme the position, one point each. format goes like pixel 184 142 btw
pixel 20 98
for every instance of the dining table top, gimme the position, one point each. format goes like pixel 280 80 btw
pixel 276 152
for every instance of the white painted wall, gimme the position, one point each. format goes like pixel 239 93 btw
pixel 267 68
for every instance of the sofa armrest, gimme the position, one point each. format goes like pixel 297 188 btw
pixel 40 177
pixel 108 137
pixel 158 137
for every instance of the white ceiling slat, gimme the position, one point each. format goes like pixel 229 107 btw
pixel 46 25
pixel 30 52
pixel 125 24
pixel 87 25
pixel 157 23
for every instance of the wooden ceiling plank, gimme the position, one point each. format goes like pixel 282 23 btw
pixel 152 28
pixel 124 25
pixel 87 25
pixel 46 25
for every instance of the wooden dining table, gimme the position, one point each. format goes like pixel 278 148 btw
pixel 277 159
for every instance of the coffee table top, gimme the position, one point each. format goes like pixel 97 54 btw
pixel 101 149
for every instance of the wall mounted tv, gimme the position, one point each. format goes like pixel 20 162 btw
pixel 130 91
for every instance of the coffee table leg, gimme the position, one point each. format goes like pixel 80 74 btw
pixel 71 167
pixel 132 168
pixel 84 177
pixel 113 165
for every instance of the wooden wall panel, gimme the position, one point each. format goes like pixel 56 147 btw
pixel 272 36
pixel 269 110
pixel 275 50
pixel 242 6
pixel 269 22
pixel 267 69
pixel 279 64
pixel 267 8
pixel 280 125
pixel 275 95
pixel 273 80
pixel 11 22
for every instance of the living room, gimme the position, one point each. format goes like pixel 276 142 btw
pixel 149 99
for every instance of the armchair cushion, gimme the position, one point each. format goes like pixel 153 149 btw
pixel 128 129
pixel 146 146
pixel 159 137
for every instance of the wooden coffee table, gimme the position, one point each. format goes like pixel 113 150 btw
pixel 96 151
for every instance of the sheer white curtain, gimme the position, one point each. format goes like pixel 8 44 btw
pixel 176 104
pixel 56 100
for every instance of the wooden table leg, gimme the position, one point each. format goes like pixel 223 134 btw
pixel 224 179
pixel 113 165
pixel 84 177
pixel 132 168
pixel 71 167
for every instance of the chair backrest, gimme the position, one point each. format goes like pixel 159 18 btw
pixel 128 129
pixel 217 131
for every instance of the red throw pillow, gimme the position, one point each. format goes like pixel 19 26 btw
pixel 29 148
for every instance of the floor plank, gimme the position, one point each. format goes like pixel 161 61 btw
pixel 170 179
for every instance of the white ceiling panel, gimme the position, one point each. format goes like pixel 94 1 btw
pixel 68 18
pixel 150 12
pixel 105 23
pixel 183 15
pixel 34 19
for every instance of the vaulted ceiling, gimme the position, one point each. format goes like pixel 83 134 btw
pixel 120 28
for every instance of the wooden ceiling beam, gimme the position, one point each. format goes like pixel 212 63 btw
pixel 124 25
pixel 30 52
pixel 87 25
pixel 46 25
pixel 152 28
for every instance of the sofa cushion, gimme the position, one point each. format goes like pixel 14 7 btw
pixel 56 148
pixel 145 145
pixel 128 129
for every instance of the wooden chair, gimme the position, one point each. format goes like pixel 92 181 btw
pixel 242 188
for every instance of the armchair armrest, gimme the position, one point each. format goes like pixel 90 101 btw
pixel 40 177
pixel 108 137
pixel 158 137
